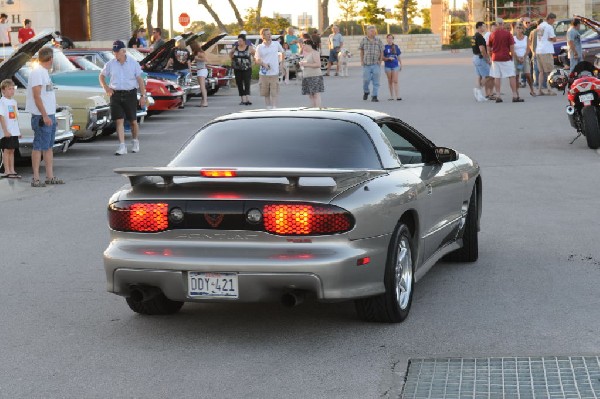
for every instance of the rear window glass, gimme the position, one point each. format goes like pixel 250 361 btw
pixel 280 143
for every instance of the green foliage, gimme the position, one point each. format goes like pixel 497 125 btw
pixel 349 9
pixel 371 13
pixel 426 15
pixel 209 29
pixel 412 11
pixel 251 25
pixel 136 20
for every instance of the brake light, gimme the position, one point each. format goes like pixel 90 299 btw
pixel 218 173
pixel 139 217
pixel 305 219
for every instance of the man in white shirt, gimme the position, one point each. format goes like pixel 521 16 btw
pixel 4 31
pixel 41 103
pixel 268 56
pixel 544 51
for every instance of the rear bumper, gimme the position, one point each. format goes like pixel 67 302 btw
pixel 265 272
pixel 61 144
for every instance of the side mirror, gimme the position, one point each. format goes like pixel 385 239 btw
pixel 444 154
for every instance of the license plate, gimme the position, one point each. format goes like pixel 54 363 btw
pixel 213 285
pixel 586 97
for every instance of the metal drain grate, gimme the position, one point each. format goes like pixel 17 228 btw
pixel 503 377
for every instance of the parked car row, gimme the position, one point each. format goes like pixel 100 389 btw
pixel 83 107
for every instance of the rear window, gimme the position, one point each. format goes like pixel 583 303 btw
pixel 280 143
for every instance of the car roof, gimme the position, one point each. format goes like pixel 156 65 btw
pixel 355 115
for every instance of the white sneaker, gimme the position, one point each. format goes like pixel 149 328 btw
pixel 122 149
pixel 135 145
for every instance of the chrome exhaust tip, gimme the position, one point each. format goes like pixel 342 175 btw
pixel 570 110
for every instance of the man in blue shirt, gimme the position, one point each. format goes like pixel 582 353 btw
pixel 125 77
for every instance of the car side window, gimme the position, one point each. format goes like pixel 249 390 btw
pixel 405 151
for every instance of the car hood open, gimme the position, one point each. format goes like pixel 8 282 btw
pixel 157 58
pixel 24 53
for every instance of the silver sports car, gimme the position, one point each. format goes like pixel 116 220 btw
pixel 291 203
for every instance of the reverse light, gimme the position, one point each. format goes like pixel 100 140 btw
pixel 139 217
pixel 218 173
pixel 305 219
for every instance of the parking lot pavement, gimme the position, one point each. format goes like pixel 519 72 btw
pixel 531 294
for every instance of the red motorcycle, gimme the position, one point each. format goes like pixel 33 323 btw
pixel 584 102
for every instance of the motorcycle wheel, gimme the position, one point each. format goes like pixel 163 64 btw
pixel 591 127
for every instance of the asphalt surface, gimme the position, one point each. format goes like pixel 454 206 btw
pixel 533 291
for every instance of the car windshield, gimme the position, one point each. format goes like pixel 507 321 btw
pixel 280 142
pixel 589 34
pixel 61 63
pixel 86 64
pixel 135 54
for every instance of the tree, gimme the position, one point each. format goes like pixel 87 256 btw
pixel 238 17
pixel 210 30
pixel 276 24
pixel 213 14
pixel 323 15
pixel 349 9
pixel 160 12
pixel 371 13
pixel 136 20
pixel 407 11
pixel 426 15
pixel 258 11
pixel 150 5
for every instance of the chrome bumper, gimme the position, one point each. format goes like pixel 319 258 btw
pixel 61 143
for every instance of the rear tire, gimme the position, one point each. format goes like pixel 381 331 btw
pixel 394 305
pixel 591 127
pixel 470 249
pixel 158 305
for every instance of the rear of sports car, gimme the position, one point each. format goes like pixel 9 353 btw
pixel 249 211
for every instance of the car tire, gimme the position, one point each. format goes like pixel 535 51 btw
pixel 470 248
pixel 591 126
pixel 324 62
pixel 212 92
pixel 157 305
pixel 394 305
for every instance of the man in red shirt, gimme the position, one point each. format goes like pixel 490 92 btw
pixel 502 47
pixel 26 33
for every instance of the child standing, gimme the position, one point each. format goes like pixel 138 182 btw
pixel 9 122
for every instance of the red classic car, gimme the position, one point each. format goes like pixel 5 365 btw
pixel 167 94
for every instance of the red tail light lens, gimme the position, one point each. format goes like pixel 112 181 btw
pixel 305 219
pixel 139 217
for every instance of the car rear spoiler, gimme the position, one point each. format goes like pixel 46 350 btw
pixel 347 176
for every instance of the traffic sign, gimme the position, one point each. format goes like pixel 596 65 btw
pixel 184 19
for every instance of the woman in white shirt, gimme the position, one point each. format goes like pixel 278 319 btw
pixel 521 56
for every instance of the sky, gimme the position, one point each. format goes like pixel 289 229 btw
pixel 223 9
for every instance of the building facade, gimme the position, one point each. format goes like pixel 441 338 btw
pixel 79 20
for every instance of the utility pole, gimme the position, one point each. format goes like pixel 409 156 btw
pixel 171 19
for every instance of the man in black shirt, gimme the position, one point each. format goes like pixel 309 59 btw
pixel 481 61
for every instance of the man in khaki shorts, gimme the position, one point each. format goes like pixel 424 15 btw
pixel 268 56
pixel 545 51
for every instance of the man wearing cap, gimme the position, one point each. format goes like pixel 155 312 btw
pixel 4 31
pixel 502 48
pixel 125 77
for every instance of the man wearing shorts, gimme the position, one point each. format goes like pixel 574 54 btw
pixel 125 77
pixel 336 42
pixel 502 48
pixel 545 51
pixel 268 56
pixel 481 61
pixel 41 103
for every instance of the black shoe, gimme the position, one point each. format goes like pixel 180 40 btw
pixel 366 96
pixel 374 99
pixel 243 103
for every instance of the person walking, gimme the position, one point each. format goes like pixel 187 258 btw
pixel 312 78
pixel 9 124
pixel 268 56
pixel 575 52
pixel 481 62
pixel 125 78
pixel 40 101
pixel 336 42
pixel 25 33
pixel 371 55
pixel 241 61
pixel 201 74
pixel 545 51
pixel 502 46
pixel 392 66
pixel 4 31
pixel 521 56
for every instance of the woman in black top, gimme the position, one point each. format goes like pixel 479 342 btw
pixel 241 61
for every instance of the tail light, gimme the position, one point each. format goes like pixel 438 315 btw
pixel 305 219
pixel 139 217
